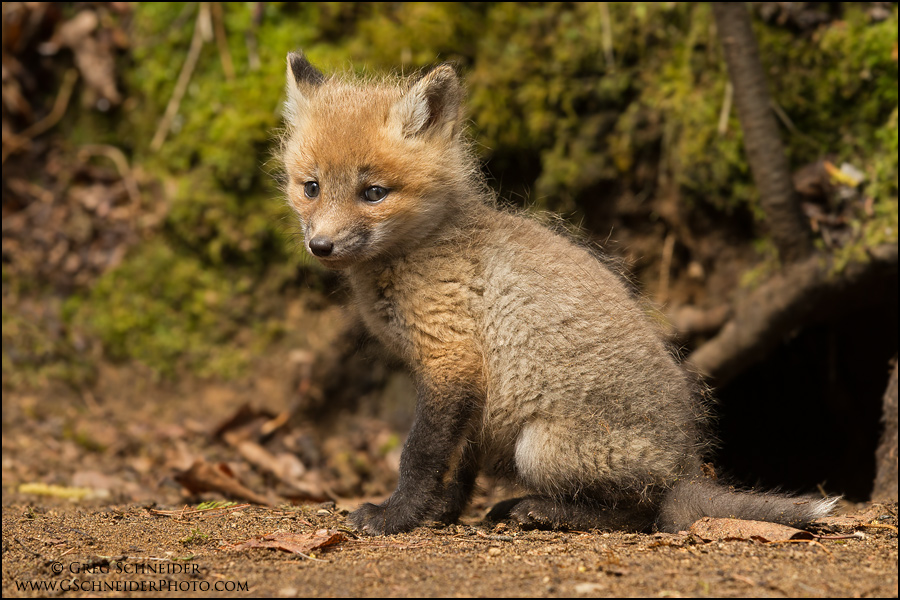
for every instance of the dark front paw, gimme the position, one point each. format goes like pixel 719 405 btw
pixel 383 519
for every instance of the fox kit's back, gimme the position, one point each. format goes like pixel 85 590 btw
pixel 531 358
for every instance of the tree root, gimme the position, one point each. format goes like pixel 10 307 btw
pixel 803 291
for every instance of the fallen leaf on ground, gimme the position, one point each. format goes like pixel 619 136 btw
pixel 709 529
pixel 297 543
pixel 204 477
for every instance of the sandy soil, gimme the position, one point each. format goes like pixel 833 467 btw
pixel 129 550
pixel 135 531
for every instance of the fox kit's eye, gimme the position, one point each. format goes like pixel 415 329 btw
pixel 311 189
pixel 375 193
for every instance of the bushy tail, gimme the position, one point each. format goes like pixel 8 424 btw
pixel 696 498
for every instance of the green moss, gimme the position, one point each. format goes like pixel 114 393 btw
pixel 550 112
pixel 707 164
pixel 541 85
pixel 224 125
pixel 407 35
pixel 222 227
pixel 168 311
pixel 837 86
pixel 875 220
pixel 37 349
pixel 196 536
pixel 768 264
pixel 882 166
pixel 179 300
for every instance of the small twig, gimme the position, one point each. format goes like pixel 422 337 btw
pixel 813 542
pixel 743 579
pixel 222 41
pixel 272 425
pixel 691 320
pixel 606 37
pixel 24 545
pixel 202 32
pixel 309 557
pixel 126 557
pixel 59 109
pixel 664 268
pixel 849 536
pixel 783 117
pixel 726 109
pixel 789 124
pixel 250 36
pixel 68 551
pixel 184 511
pixel 118 158
pixel 880 526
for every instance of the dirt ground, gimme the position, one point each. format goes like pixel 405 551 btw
pixel 127 550
pixel 129 528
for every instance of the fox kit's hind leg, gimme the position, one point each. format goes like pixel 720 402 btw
pixel 582 481
pixel 546 512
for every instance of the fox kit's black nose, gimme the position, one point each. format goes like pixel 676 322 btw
pixel 321 246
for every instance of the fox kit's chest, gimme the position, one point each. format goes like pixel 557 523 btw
pixel 420 306
pixel 386 308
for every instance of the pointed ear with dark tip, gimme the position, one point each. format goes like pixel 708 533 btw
pixel 302 79
pixel 433 104
pixel 302 71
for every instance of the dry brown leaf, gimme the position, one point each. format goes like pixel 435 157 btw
pixel 709 529
pixel 244 417
pixel 297 543
pixel 286 467
pixel 204 477
pixel 93 54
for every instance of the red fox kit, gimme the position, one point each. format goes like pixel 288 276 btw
pixel 532 360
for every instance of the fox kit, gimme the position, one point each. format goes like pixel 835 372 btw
pixel 532 360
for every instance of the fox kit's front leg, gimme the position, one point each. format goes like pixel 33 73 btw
pixel 443 415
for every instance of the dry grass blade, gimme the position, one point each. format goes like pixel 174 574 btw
pixel 211 511
pixel 201 32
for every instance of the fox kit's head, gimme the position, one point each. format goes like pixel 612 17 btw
pixel 372 168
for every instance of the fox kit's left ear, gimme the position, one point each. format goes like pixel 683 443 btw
pixel 433 104
pixel 302 79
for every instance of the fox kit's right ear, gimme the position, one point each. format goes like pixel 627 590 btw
pixel 433 104
pixel 302 79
